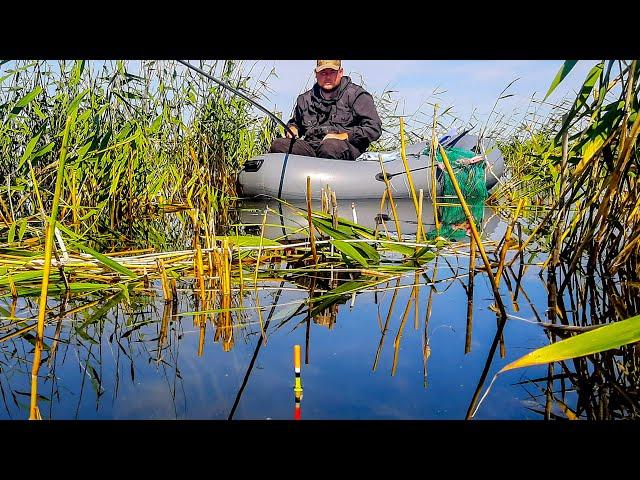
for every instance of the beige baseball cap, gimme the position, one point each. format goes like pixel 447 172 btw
pixel 333 64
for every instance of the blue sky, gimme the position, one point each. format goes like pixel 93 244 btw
pixel 469 88
pixel 464 85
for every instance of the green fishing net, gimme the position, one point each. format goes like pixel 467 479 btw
pixel 471 179
pixel 453 220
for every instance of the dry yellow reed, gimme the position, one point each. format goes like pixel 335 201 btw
pixel 472 272
pixel 312 237
pixel 34 412
pixel 432 154
pixel 474 232
pixel 166 288
pixel 391 202
pixel 199 270
pixel 507 239
pixel 406 166
pixel 420 230
pixel 255 278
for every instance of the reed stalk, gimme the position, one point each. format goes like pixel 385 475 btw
pixel 34 413
pixel 312 237
pixel 391 202
pixel 472 272
pixel 385 328
pixel 406 166
pixel 420 235
pixel 476 235
pixel 255 277
pixel 506 241
pixel 396 342
pixel 432 155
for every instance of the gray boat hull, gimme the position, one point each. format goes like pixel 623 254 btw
pixel 352 179
pixel 287 221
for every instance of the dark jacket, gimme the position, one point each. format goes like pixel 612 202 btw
pixel 351 110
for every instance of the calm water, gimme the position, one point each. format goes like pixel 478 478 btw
pixel 110 369
pixel 115 360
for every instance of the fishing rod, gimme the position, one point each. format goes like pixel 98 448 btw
pixel 271 115
pixel 237 92
pixel 450 143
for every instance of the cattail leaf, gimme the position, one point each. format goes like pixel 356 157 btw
pixel 604 86
pixel 367 251
pixel 155 126
pixel 425 254
pixel 28 394
pixel 589 150
pixel 333 296
pixel 82 151
pixel 341 233
pixel 85 336
pixel 402 249
pixel 599 132
pixel 346 233
pixel 76 71
pixel 22 277
pixel 76 287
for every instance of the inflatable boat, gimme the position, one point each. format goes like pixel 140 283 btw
pixel 282 175
pixel 284 221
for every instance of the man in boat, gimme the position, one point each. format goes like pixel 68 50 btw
pixel 337 118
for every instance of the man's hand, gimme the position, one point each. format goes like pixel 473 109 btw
pixel 294 129
pixel 337 136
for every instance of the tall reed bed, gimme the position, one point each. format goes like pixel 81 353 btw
pixel 586 163
pixel 591 161
pixel 150 136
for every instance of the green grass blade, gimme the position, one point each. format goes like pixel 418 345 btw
pixel 24 101
pixel 18 252
pixel 108 262
pixel 341 233
pixel 333 296
pixel 21 277
pixel 250 241
pixel 44 150
pixel 583 96
pixel 605 338
pixel 562 73
pixel 77 287
pixel 350 252
pixel 402 249
pixel 28 150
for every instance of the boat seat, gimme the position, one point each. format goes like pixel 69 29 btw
pixel 414 150
pixel 386 156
